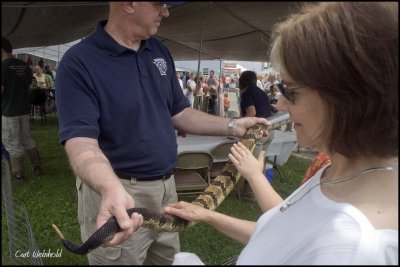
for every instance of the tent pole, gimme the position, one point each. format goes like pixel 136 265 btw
pixel 201 47
pixel 58 55
pixel 222 89
pixel 197 103
pixel 220 69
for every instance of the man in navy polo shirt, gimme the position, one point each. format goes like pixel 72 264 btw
pixel 119 103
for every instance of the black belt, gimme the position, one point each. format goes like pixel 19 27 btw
pixel 163 177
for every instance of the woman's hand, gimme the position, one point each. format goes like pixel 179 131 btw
pixel 245 162
pixel 187 211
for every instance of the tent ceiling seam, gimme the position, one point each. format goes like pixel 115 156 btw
pixel 232 36
pixel 21 14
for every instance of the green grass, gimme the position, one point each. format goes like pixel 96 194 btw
pixel 51 198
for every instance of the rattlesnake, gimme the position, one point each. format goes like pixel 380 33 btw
pixel 211 198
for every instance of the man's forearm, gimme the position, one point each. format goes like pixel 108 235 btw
pixel 90 164
pixel 197 122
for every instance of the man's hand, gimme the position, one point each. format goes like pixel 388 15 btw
pixel 243 124
pixel 115 202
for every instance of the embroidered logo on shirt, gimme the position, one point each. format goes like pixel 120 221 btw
pixel 161 65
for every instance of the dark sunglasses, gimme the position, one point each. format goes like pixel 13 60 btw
pixel 288 91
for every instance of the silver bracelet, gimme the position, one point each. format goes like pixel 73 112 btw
pixel 230 127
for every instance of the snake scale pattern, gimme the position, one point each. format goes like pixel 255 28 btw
pixel 211 198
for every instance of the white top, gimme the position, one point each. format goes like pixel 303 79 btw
pixel 259 84
pixel 317 230
pixel 180 83
pixel 191 84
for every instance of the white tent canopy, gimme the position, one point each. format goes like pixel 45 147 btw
pixel 54 52
pixel 232 30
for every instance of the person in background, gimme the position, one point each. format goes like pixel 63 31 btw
pixel 29 61
pixel 41 63
pixel 179 76
pixel 210 78
pixel 43 81
pixel 271 79
pixel 220 102
pixel 49 75
pixel 347 212
pixel 211 96
pixel 191 87
pixel 259 81
pixel 273 98
pixel 222 81
pixel 227 104
pixel 278 78
pixel 202 85
pixel 16 79
pixel 54 71
pixel 227 83
pixel 254 102
pixel 232 85
pixel 120 134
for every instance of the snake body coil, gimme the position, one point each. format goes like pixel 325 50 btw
pixel 210 199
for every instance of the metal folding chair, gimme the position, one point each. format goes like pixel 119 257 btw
pixel 192 172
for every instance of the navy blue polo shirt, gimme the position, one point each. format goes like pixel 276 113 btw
pixel 254 96
pixel 124 99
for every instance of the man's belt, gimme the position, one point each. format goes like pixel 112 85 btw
pixel 163 177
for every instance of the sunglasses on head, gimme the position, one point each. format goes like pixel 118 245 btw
pixel 288 91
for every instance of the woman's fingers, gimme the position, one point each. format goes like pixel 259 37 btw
pixel 236 151
pixel 244 149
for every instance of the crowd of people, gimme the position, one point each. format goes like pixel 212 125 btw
pixel 215 91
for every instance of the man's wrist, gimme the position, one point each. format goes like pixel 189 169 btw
pixel 231 124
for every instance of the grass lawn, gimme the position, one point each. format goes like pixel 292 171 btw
pixel 51 198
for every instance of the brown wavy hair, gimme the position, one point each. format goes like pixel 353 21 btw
pixel 348 52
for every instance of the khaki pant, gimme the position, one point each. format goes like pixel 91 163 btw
pixel 15 135
pixel 145 246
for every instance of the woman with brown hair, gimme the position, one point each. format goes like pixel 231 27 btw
pixel 339 61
